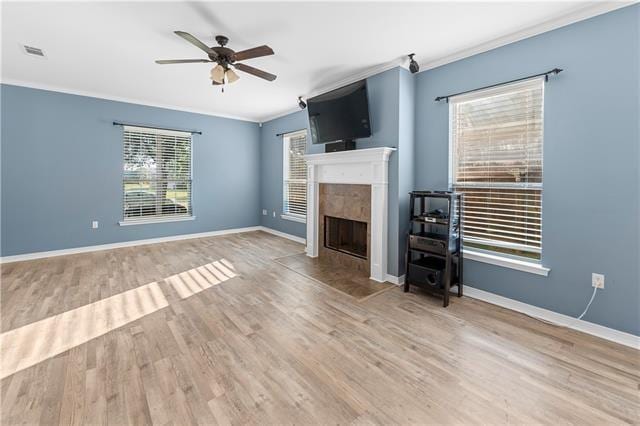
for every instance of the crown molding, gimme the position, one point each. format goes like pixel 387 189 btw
pixel 564 20
pixel 98 95
pixel 400 62
pixel 369 72
pixel 550 25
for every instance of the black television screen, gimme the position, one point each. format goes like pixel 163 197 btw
pixel 341 114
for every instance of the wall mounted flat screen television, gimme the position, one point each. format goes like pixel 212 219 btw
pixel 340 115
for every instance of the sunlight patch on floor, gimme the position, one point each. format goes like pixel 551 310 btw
pixel 26 346
pixel 33 343
pixel 195 280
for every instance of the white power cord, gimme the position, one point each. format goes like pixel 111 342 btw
pixel 589 304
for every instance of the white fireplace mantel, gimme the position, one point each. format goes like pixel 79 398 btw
pixel 360 166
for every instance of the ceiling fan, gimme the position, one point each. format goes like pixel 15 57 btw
pixel 226 58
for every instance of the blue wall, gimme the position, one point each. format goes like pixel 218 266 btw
pixel 62 168
pixel 383 91
pixel 271 185
pixel 406 159
pixel 591 181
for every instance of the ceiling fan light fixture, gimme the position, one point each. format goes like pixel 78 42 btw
pixel 217 74
pixel 231 76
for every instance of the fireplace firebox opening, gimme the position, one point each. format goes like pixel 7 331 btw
pixel 346 236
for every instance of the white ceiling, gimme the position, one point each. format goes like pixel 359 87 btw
pixel 108 49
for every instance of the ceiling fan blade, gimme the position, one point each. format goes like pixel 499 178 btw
pixel 181 61
pixel 191 39
pixel 255 71
pixel 255 52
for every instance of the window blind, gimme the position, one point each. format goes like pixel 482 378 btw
pixel 157 174
pixel 295 174
pixel 497 138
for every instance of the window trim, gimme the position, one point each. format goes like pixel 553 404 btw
pixel 286 215
pixel 167 218
pixel 533 267
pixel 155 220
pixel 496 258
pixel 294 217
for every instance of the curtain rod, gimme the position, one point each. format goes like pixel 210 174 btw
pixel 195 132
pixel 545 74
pixel 292 131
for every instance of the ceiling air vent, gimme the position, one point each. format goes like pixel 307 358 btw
pixel 30 50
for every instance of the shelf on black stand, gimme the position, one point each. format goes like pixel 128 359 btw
pixel 433 256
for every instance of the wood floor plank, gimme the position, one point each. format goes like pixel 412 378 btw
pixel 230 336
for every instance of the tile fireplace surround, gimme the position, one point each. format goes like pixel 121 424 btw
pixel 358 167
pixel 345 201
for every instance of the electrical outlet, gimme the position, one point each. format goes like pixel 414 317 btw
pixel 274 213
pixel 94 224
pixel 597 280
pixel 264 212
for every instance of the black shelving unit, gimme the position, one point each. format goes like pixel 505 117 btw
pixel 434 243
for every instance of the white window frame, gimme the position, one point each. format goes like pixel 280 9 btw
pixel 161 218
pixel 487 256
pixel 286 140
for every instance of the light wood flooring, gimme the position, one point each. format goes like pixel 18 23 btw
pixel 213 331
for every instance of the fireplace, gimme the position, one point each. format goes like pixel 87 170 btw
pixel 346 236
pixel 351 185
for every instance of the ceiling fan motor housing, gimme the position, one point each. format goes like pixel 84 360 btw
pixel 222 40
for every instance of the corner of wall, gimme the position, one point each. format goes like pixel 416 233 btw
pixel 406 156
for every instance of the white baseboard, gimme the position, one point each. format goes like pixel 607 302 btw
pixel 395 280
pixel 86 249
pixel 283 235
pixel 110 246
pixel 603 332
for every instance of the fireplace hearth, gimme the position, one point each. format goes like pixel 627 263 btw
pixel 346 236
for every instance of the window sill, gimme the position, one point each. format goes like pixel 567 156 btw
pixel 294 218
pixel 155 220
pixel 506 262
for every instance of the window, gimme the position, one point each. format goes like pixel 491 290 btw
pixel 157 175
pixel 496 161
pixel 294 176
